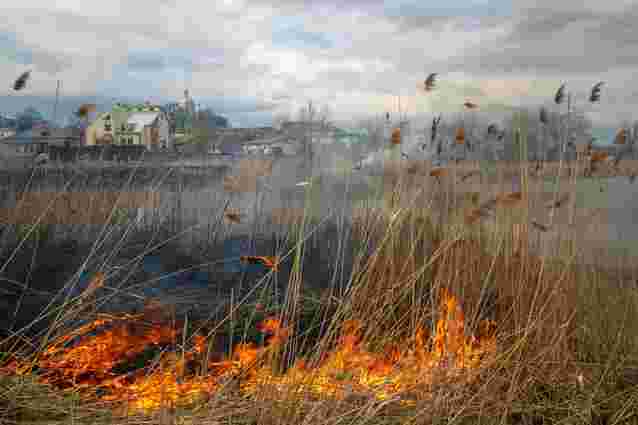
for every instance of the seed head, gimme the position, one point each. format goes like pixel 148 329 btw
pixel 21 81
pixel 595 92
pixel 560 94
pixel 430 82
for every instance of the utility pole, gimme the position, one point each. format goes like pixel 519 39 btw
pixel 55 105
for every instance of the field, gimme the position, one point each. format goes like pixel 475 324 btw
pixel 415 298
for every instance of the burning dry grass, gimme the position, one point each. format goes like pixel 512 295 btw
pixel 88 364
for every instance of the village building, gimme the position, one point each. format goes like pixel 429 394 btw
pixel 149 129
pixel 7 132
pixel 146 125
pixel 38 140
pixel 180 116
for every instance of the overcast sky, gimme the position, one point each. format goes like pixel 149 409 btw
pixel 264 56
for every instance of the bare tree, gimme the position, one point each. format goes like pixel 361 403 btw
pixel 279 119
pixel 302 114
pixel 325 115
pixel 306 115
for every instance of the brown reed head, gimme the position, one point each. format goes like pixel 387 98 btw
pixel 85 109
pixel 438 172
pixel 460 136
pixel 396 136
pixel 232 216
pixel 430 82
pixel 599 156
pixel 621 137
pixel 470 105
pixel 510 199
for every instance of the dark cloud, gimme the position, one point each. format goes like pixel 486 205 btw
pixel 543 25
pixel 409 23
pixel 550 43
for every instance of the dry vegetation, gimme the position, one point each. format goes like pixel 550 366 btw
pixel 443 321
pixel 74 207
pixel 452 313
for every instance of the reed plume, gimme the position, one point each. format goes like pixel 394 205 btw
pixel 594 96
pixel 430 82
pixel 21 81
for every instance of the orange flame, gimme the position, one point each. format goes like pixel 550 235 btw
pixel 271 262
pixel 91 361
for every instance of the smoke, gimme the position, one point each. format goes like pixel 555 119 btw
pixel 414 146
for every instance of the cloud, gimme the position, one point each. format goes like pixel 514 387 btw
pixel 145 62
pixel 355 56
pixel 13 50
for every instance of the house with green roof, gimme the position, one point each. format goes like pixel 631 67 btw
pixel 126 124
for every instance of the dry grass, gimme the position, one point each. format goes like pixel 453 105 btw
pixel 246 179
pixel 566 347
pixel 75 207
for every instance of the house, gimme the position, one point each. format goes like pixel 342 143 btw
pixel 180 116
pixel 39 139
pixel 100 131
pixel 146 125
pixel 319 133
pixel 145 128
pixel 7 132
pixel 270 146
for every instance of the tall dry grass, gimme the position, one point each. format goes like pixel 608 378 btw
pixel 566 346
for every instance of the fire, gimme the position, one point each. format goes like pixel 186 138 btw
pixel 270 262
pixel 88 359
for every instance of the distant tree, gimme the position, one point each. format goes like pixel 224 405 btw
pixel 307 114
pixel 302 114
pixel 325 115
pixel 27 118
pixel 280 118
pixel 208 118
pixel 181 119
pixel 220 121
pixel 6 122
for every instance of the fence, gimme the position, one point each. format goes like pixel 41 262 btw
pixel 106 153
